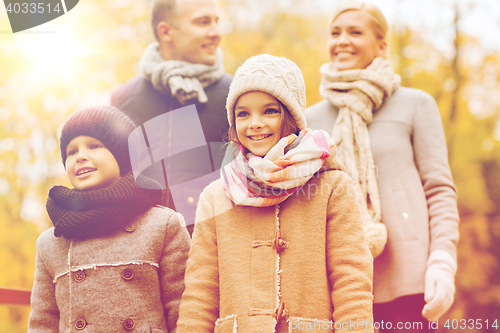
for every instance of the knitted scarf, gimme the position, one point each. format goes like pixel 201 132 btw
pixel 357 93
pixel 184 80
pixel 89 214
pixel 250 180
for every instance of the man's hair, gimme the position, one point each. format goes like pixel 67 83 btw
pixel 163 10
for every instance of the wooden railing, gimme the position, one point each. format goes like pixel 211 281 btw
pixel 15 296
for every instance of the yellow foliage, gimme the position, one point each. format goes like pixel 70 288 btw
pixel 34 104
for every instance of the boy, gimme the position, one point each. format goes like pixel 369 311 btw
pixel 114 260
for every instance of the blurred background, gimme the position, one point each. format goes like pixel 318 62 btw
pixel 449 48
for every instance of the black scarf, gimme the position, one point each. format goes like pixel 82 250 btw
pixel 82 215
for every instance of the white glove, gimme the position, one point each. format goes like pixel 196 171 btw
pixel 439 284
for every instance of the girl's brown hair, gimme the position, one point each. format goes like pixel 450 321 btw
pixel 288 125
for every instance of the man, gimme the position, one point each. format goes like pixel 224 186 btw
pixel 183 67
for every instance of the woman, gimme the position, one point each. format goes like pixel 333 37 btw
pixel 391 140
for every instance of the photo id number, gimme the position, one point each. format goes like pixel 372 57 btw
pixel 32 8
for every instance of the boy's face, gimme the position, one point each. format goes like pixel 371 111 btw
pixel 90 165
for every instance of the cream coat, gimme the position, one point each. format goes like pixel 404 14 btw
pixel 418 197
pixel 129 281
pixel 234 273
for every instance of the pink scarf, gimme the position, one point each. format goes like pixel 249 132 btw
pixel 250 180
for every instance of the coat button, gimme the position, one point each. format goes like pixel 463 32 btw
pixel 80 324
pixel 280 312
pixel 127 274
pixel 130 227
pixel 279 243
pixel 129 324
pixel 79 276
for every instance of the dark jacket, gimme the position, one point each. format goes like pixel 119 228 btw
pixel 188 171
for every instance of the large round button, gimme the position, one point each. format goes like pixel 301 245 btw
pixel 79 276
pixel 129 324
pixel 80 324
pixel 130 227
pixel 127 274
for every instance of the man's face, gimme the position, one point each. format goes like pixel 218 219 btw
pixel 196 36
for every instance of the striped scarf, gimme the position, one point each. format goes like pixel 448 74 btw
pixel 250 180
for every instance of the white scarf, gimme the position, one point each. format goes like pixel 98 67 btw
pixel 186 81
pixel 357 93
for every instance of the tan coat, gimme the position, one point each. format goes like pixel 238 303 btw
pixel 129 281
pixel 234 273
pixel 417 194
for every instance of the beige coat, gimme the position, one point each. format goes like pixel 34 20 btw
pixel 418 197
pixel 129 281
pixel 234 272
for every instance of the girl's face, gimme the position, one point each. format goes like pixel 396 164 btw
pixel 353 43
pixel 90 165
pixel 258 121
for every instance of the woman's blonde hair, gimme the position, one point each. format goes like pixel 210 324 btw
pixel 379 23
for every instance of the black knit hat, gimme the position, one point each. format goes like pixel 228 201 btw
pixel 104 123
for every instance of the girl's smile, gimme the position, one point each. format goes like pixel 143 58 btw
pixel 258 121
pixel 259 137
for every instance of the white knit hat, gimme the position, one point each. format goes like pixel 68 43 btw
pixel 276 76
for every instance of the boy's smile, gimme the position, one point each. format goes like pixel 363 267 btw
pixel 90 165
pixel 82 172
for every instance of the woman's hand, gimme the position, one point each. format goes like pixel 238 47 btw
pixel 439 284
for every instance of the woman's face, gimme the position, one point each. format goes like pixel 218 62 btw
pixel 353 43
pixel 258 121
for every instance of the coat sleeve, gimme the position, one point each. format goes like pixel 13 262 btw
pixel 431 157
pixel 173 266
pixel 349 261
pixel 200 302
pixel 44 316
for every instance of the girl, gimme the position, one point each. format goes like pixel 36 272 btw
pixel 278 244
pixel 396 131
